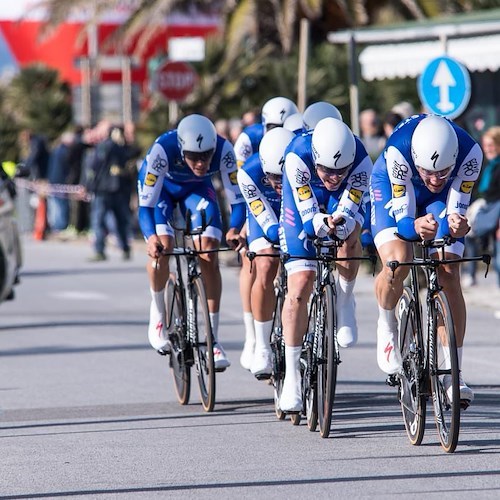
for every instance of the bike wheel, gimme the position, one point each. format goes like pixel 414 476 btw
pixel 309 373
pixel 278 356
pixel 327 361
pixel 180 350
pixel 444 375
pixel 203 346
pixel 411 391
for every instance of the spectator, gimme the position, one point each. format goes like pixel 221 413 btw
pixel 58 170
pixel 404 109
pixel 391 119
pixel 371 132
pixel 484 213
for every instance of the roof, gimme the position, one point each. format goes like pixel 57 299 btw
pixel 403 50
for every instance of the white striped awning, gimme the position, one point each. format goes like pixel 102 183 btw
pixel 401 60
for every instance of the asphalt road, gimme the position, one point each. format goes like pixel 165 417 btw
pixel 87 408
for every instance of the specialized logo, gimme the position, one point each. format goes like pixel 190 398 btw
pixel 355 195
pixel 150 179
pixel 199 140
pixel 398 191
pixel 466 187
pixel 257 207
pixel 336 157
pixel 304 193
pixel 233 177
pixel 388 349
pixel 434 158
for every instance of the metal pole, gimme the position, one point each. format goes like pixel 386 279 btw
pixel 353 85
pixel 86 95
pixel 303 53
pixel 126 90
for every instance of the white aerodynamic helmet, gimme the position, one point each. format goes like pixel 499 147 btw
pixel 434 144
pixel 277 110
pixel 293 122
pixel 333 144
pixel 272 150
pixel 196 133
pixel 317 111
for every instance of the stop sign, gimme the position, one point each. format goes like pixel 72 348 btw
pixel 175 80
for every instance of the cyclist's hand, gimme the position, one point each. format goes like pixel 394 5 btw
pixel 234 239
pixel 154 246
pixel 426 227
pixel 458 225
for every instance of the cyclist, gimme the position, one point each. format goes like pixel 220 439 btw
pixel 177 171
pixel 326 174
pixel 274 113
pixel 316 112
pixel 260 184
pixel 421 187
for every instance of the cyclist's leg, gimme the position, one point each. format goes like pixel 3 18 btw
pixel 263 300
pixel 158 271
pixel 449 279
pixel 300 281
pixel 388 285
pixel 246 279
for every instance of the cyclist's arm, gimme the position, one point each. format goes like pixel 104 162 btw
pixel 232 191
pixel 403 201
pixel 149 186
pixel 299 175
pixel 256 201
pixel 242 149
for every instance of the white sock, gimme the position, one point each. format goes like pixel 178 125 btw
pixel 249 327
pixel 262 334
pixel 292 363
pixel 387 319
pixel 214 321
pixel 460 352
pixel 346 287
pixel 159 300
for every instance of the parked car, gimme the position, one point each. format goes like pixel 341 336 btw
pixel 10 244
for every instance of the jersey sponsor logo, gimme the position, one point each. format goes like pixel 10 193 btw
pixel 249 190
pixel 355 195
pixel 399 171
pixel 257 207
pixel 159 164
pixel 304 193
pixel 471 167
pixel 228 160
pixel 245 151
pixel 240 163
pixel 359 180
pixel 302 177
pixel 398 191
pixel 466 186
pixel 309 210
pixel 233 177
pixel 348 211
pixel 399 210
pixel 150 179
pixel 463 206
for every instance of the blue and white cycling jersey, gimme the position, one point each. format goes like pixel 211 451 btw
pixel 164 171
pixel 399 195
pixel 263 203
pixel 305 196
pixel 248 142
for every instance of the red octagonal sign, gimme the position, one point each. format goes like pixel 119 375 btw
pixel 175 80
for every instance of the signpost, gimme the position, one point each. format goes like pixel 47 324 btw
pixel 175 80
pixel 444 87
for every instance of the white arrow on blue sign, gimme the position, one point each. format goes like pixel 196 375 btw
pixel 444 87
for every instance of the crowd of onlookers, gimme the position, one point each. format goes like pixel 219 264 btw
pixel 77 204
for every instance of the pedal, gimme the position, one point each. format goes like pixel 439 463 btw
pixel 263 376
pixel 464 404
pixel 392 380
pixel 163 352
pixel 220 370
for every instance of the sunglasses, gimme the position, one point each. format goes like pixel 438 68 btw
pixel 442 174
pixel 201 156
pixel 330 172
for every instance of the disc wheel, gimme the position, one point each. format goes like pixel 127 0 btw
pixel 444 375
pixel 203 346
pixel 180 353
pixel 412 394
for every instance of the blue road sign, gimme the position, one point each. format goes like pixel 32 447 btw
pixel 444 87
